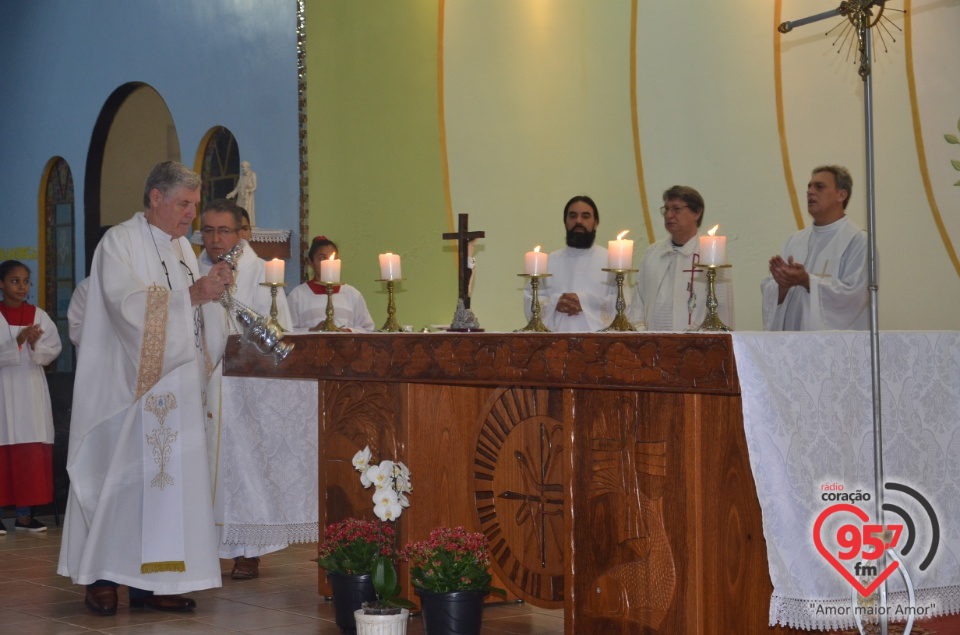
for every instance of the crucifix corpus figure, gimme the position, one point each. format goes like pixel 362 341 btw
pixel 464 319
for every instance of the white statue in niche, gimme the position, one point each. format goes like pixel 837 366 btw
pixel 244 191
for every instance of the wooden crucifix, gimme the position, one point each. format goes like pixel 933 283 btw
pixel 463 238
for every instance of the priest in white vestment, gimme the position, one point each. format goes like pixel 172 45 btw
pixel 820 281
pixel 220 227
pixel 670 295
pixel 578 296
pixel 139 511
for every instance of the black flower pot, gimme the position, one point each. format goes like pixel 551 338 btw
pixel 456 613
pixel 349 593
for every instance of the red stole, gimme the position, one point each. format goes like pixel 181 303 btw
pixel 321 289
pixel 24 315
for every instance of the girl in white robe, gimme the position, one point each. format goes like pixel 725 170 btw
pixel 28 341
pixel 308 302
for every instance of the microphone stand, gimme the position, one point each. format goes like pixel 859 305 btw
pixel 861 16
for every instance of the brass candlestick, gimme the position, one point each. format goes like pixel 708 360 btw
pixel 391 325
pixel 620 323
pixel 713 322
pixel 535 325
pixel 273 321
pixel 328 325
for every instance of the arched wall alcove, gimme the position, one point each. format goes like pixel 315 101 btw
pixel 218 164
pixel 56 277
pixel 134 132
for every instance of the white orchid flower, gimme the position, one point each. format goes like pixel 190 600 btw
pixel 402 499
pixel 361 460
pixel 380 475
pixel 386 505
pixel 401 485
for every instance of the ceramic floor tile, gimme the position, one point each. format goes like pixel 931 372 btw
pixel 282 599
pixel 307 628
pixel 319 610
pixel 173 627
pixel 50 627
pixel 258 618
pixel 34 600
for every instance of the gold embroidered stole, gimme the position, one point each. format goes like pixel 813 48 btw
pixel 162 546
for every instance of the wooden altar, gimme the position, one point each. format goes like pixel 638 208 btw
pixel 609 471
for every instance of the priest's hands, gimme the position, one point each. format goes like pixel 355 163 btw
pixel 787 274
pixel 211 286
pixel 569 303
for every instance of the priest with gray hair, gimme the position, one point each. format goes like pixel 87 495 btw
pixel 137 455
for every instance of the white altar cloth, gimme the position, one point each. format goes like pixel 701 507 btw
pixel 807 410
pixel 268 461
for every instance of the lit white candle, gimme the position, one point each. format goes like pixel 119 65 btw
pixel 620 252
pixel 389 266
pixel 535 262
pixel 713 249
pixel 274 272
pixel 330 269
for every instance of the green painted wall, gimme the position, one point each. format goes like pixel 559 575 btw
pixel 538 99
pixel 376 176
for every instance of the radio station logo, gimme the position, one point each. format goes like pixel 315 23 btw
pixel 856 549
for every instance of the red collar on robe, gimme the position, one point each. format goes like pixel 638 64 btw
pixel 23 315
pixel 321 289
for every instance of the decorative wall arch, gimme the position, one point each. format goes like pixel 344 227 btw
pixel 56 277
pixel 218 164
pixel 151 139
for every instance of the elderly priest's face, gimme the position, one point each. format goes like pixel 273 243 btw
pixel 680 220
pixel 220 233
pixel 173 214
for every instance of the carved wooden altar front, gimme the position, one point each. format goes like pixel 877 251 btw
pixel 609 471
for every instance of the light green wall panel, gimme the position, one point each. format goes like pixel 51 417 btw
pixel 537 107
pixel 376 178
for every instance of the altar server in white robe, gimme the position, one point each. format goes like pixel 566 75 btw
pixel 139 511
pixel 78 301
pixel 670 295
pixel 28 341
pixel 578 296
pixel 820 280
pixel 308 302
pixel 220 226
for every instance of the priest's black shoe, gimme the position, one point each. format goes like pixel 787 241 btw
pixel 176 603
pixel 102 600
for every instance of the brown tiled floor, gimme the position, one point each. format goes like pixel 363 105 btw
pixel 34 600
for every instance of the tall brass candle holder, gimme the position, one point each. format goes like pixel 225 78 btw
pixel 713 322
pixel 273 321
pixel 328 325
pixel 620 323
pixel 536 324
pixel 391 325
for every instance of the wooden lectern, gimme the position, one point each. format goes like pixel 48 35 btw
pixel 609 471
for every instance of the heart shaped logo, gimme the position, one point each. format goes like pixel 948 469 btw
pixel 862 515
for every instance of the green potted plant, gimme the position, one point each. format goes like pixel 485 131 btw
pixel 450 573
pixel 364 551
pixel 349 552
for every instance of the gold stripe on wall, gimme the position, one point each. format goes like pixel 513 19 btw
pixel 781 121
pixel 443 124
pixel 918 136
pixel 648 222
